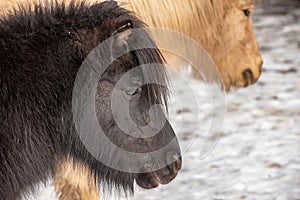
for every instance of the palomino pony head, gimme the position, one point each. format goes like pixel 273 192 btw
pixel 222 27
pixel 235 49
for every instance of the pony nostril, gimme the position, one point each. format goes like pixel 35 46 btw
pixel 174 162
pixel 261 66
pixel 248 77
pixel 177 164
pixel 167 171
pixel 172 156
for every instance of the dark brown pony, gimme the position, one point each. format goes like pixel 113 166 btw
pixel 42 50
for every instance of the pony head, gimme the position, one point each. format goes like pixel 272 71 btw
pixel 222 27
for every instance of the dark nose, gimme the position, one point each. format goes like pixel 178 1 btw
pixel 164 175
pixel 169 172
pixel 175 161
pixel 248 77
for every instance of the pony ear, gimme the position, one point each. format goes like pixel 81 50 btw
pixel 123 33
pixel 88 40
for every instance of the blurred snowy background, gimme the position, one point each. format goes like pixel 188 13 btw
pixel 258 153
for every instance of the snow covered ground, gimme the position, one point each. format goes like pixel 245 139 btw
pixel 257 155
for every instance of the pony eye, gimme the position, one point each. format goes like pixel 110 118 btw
pixel 133 92
pixel 247 12
pixel 134 89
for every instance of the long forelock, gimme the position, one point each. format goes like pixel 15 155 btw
pixel 155 74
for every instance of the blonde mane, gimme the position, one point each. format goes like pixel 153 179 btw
pixel 197 14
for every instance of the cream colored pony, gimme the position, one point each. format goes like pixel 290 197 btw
pixel 222 27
